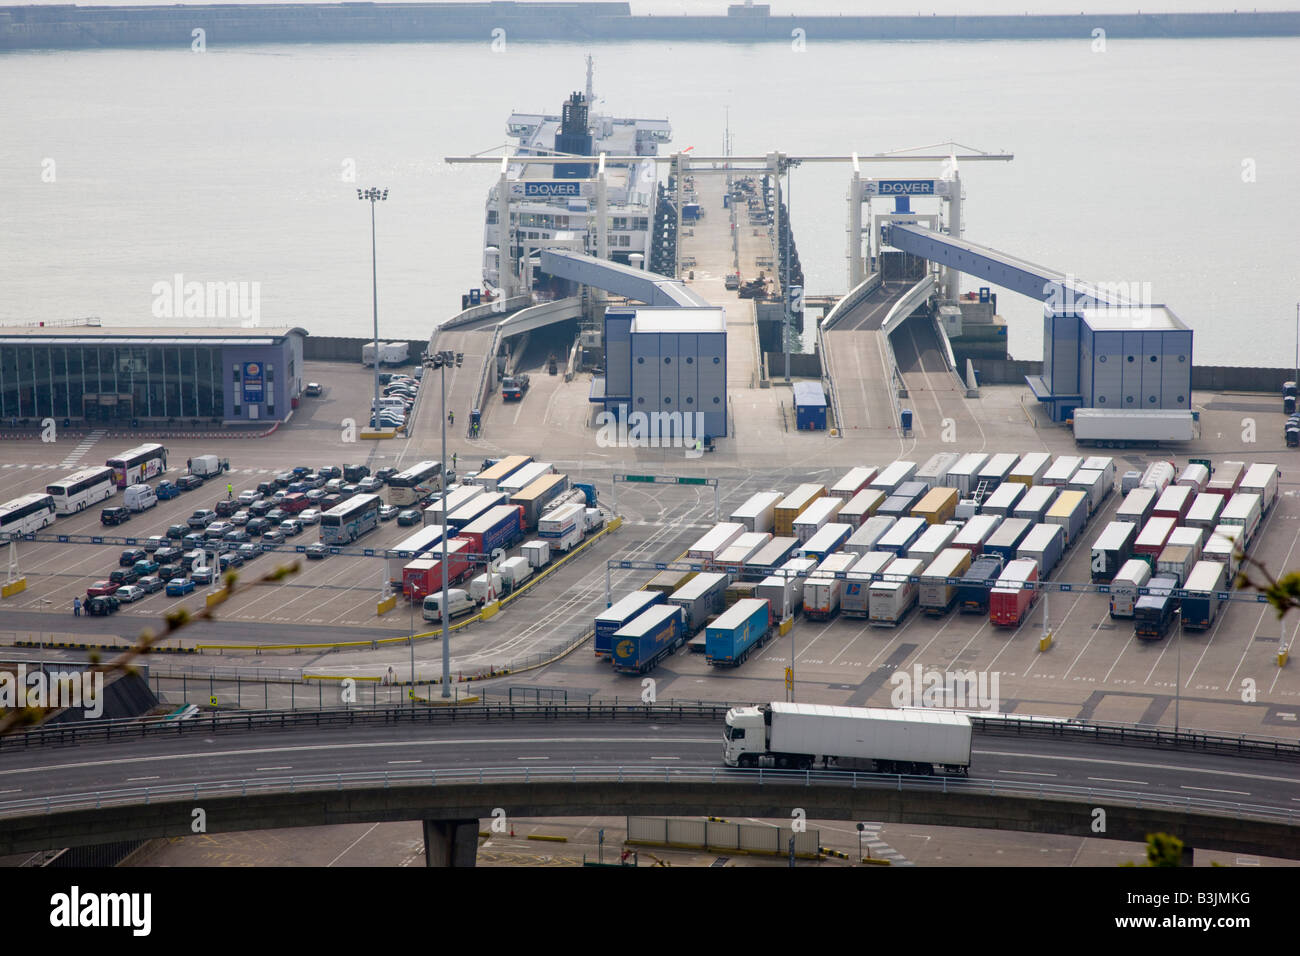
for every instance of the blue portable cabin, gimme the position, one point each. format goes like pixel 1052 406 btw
pixel 809 406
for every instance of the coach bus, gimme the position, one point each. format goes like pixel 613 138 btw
pixel 81 489
pixel 138 465
pixel 416 482
pixel 26 515
pixel 350 519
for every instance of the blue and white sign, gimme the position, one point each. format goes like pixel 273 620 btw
pixel 562 188
pixel 905 187
pixel 254 376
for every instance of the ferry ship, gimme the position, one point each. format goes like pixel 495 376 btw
pixel 549 201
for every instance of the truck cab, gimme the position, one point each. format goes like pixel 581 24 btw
pixel 744 736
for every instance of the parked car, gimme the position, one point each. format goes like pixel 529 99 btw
pixel 177 532
pixel 169 571
pixel 248 551
pixel 217 529
pixel 289 528
pixel 308 516
pixel 230 559
pixel 284 479
pixel 254 527
pixel 129 593
pixel 314 480
pixel 129 557
pixel 276 515
pixel 274 536
pixel 383 474
pixel 150 583
pixel 248 496
pixel 104 587
pixel 370 484
pixel 313 390
pixel 189 482
pixel 316 496
pixel 203 575
pixel 300 470
pixel 166 490
pixel 408 517
pixel 145 567
pixel 330 501
pixel 114 516
pixel 317 551
pixel 124 576
pixel 279 496
pixel 201 518
pixel 179 587
pixel 388 512
pixel 240 518
pixel 154 542
pixel 265 488
pixel 227 507
pixel 258 509
pixel 192 541
pixel 237 535
pixel 102 605
pixel 167 555
pixel 191 558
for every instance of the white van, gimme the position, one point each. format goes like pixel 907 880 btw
pixel 139 498
pixel 458 603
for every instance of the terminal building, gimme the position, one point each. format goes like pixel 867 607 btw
pixel 96 375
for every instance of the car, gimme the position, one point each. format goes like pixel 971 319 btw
pixel 383 474
pixel 191 558
pixel 317 551
pixel 355 472
pixel 248 496
pixel 167 555
pixel 274 536
pixel 349 490
pixel 237 536
pixel 114 516
pixel 129 557
pixel 104 587
pixel 330 471
pixel 248 551
pixel 179 587
pixel 279 496
pixel 227 508
pixel 201 518
pixel 124 576
pixel 145 567
pixel 150 583
pixel 288 528
pixel 386 421
pixel 408 517
pixel 129 593
pixel 154 542
pixel 202 575
pixel 313 390
pixel 177 532
pixel 308 516
pixel 314 480
pixel 300 470
pixel 284 479
pixel 102 605
pixel 331 501
pixel 192 541
pixel 169 571
pixel 265 488
pixel 297 488
pixel 241 518
pixel 370 484
pixel 166 490
pixel 189 482
pixel 276 515
pixel 388 512
pixel 316 495
pixel 333 485
pixel 258 509
pixel 229 559
pixel 217 529
pixel 254 527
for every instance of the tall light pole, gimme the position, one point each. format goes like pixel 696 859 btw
pixel 440 361
pixel 374 195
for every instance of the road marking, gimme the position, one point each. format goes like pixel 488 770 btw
pixel 19 790
pixel 272 768
pixel 406 761
pixel 665 758
pixel 532 758
pixel 1029 773
pixel 133 779
pixel 351 845
pixel 1140 783
pixel 1240 793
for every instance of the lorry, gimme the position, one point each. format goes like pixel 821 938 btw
pixel 896 594
pixel 1153 614
pixel 1125 586
pixel 775 553
pixel 976 583
pixel 823 590
pixel 901 535
pixel 1158 475
pixel 866 537
pixel 1151 540
pixel 1200 604
pixel 1174 502
pixel 936 467
pixel 1137 506
pixel 938 593
pixel 935 539
pixel 1227 479
pixel 826 541
pixel 647 639
pixel 1242 509
pixel 1111 549
pixel 783 589
pixel 885 740
pixel 1070 511
pixel 758 513
pixel 1091 483
pixel 1060 471
pixel 861 507
pixel 1044 545
pixel 666 582
pixel 793 505
pixel 964 473
pixel 937 505
pixel 1030 469
pixel 1195 476
pixel 457 495
pixel 1104 464
pixel 1193 538
pixel 1117 428
pixel 737 554
pixel 1010 599
pixel 1035 503
pixel 854 481
pixel 975 532
pixel 513 387
pixel 1006 539
pixel 816 516
pixel 892 476
pixel 475 508
pixel 423 576
pixel 390 353
pixel 742 629
pixel 499 527
pixel 525 476
pixel 700 598
pixel 1221 546
pixel 514 572
pixel 855 601
pixel 537 496
pixel 1205 511
pixel 563 527
pixel 206 466
pixel 715 540
pixel 995 471
pixel 1176 561
pixel 1261 479
pixel 1003 500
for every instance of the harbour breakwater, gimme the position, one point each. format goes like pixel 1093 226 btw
pixel 80 27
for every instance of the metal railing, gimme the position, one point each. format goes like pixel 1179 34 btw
pixel 692 776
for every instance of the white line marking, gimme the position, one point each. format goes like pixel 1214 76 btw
pixel 1240 793
pixel 407 761
pixel 1140 783
pixel 1029 773
pixel 272 768
pixel 532 758
pixel 131 779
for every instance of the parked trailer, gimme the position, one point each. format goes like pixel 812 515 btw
pixel 667 582
pixel 741 630
pixel 564 527
pixel 936 468
pixel 1153 537
pixel 1117 427
pixel 964 473
pixel 1243 509
pixel 1158 475
pixel 1006 539
pixel 975 532
pixel 1070 511
pixel 891 598
pixel 738 591
pixel 773 554
pixel 500 527
pixel 1174 502
pixel 935 539
pixel 515 572
pixel 795 736
pixel 793 505
pixel 1111 549
pixel 1221 546
pixel 700 598
pixel 1044 545
pixel 649 638
pixel 1092 484
pixel 1003 500
pixel 535 498
pixel 902 535
pixel 1010 599
pixel 1261 479
pixel 1195 476
pixel 855 600
pixel 488 477
pixel 853 482
pixel 937 594
pixel 995 471
pixel 423 576
pixel 861 507
pixel 1104 464
pixel 784 589
pixel 1205 511
pixel 976 583
pixel 1176 562
pixel 1227 479
pixel 611 620
pixel 1137 505
pixel 1060 472
pixel 1031 468
pixel 1035 504
pixel 867 536
pixel 537 553
pixel 829 539
pixel 822 591
pixel 1193 538
pixel 475 508
pixel 815 517
pixel 1200 604
pixel 743 548
pixel 892 476
pixel 758 513
pixel 525 476
pixel 1124 586
pixel 897 506
pixel 1153 614
pixel 936 506
pixel 457 495
pixel 715 540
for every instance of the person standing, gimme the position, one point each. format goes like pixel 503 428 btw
pixel 230 491
pixel 189 465
pixel 76 607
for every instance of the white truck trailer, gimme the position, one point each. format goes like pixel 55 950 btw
pixel 796 736
pixel 1116 428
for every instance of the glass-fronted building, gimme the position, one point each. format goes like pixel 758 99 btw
pixel 120 375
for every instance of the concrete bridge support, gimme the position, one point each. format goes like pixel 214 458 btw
pixel 450 842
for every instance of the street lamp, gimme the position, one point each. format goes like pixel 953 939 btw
pixel 374 195
pixel 861 827
pixel 440 361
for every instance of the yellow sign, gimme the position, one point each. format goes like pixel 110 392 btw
pixel 212 701
pixel 789 678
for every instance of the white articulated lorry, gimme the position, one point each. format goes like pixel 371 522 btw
pixel 885 740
